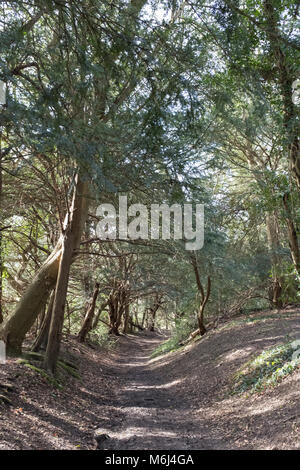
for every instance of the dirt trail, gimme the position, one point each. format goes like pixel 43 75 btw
pixel 150 416
pixel 181 400
pixel 176 401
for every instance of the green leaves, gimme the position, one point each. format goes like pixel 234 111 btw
pixel 266 370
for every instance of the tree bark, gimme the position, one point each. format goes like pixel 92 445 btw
pixel 285 73
pixel 42 338
pixel 1 254
pixel 292 234
pixel 57 318
pixel 204 297
pixel 274 245
pixel 71 239
pixel 135 325
pixel 202 328
pixel 126 319
pixel 97 317
pixel 13 331
pixel 144 316
pixel 87 323
pixel 153 311
pixel 117 303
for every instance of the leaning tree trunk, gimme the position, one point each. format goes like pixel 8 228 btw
pixel 286 75
pixel 87 323
pixel 126 318
pixel 42 338
pixel 97 317
pixel 274 246
pixel 70 243
pixel 34 299
pixel 1 253
pixel 292 233
pixel 13 331
pixel 57 317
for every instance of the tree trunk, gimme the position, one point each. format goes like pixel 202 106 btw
pixel 274 246
pixel 153 311
pixel 97 318
pixel 114 331
pixel 87 323
pixel 204 297
pixel 152 320
pixel 120 313
pixel 42 338
pixel 126 319
pixel 135 325
pixel 57 318
pixel 144 317
pixel 35 297
pixel 71 240
pixel 113 312
pixel 1 254
pixel 117 304
pixel 202 329
pixel 292 234
pixel 286 74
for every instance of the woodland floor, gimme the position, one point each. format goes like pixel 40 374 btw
pixel 176 401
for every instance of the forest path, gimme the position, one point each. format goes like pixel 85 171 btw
pixel 182 401
pixel 176 401
pixel 148 416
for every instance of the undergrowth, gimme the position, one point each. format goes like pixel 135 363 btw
pixel 174 342
pixel 34 361
pixel 170 345
pixel 267 369
pixel 103 340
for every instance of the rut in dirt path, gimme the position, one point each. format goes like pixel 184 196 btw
pixel 149 416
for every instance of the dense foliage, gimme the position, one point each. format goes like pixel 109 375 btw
pixel 169 102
